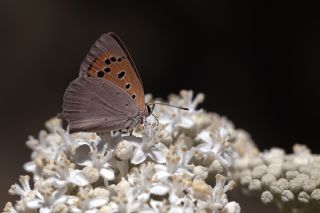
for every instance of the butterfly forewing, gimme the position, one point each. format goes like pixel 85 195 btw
pixel 108 59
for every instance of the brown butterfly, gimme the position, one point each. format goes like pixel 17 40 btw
pixel 108 94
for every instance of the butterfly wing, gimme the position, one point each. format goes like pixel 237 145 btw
pixel 110 60
pixel 96 105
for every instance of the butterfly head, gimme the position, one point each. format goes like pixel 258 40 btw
pixel 148 109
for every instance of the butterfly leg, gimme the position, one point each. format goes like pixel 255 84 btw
pixel 155 118
pixel 131 132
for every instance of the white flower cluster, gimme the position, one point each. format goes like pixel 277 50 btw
pixel 292 181
pixel 180 163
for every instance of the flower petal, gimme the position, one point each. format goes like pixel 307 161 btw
pixel 204 148
pixel 58 183
pixel 156 205
pixel 159 189
pixel 157 155
pixel 72 200
pixel 34 203
pixel 74 209
pixel 45 210
pixel 77 178
pixel 205 136
pixel 143 197
pixel 176 209
pixel 138 156
pixel 97 202
pixel 186 123
pixel 147 210
pixel 161 171
pixel 30 166
pixel 107 173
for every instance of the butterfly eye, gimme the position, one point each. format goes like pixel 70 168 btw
pixel 119 59
pixel 133 96
pixel 128 86
pixel 148 109
pixel 107 69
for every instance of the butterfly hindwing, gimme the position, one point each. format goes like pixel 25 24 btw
pixel 109 59
pixel 96 105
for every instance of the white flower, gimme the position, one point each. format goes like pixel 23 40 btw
pixel 217 145
pixel 49 146
pixel 214 199
pixel 177 162
pixel 43 197
pixel 142 177
pixel 148 148
pixel 47 197
pixel 173 117
pixel 101 160
pixel 180 185
pixel 144 150
pixel 231 207
pixel 89 199
pixel 62 173
pixel 46 147
pixel 187 100
pixel 163 167
pixel 283 178
pixel 24 190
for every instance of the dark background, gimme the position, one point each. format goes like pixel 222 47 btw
pixel 257 63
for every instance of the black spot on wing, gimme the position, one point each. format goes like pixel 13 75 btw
pixel 121 74
pixel 113 59
pixel 107 61
pixel 100 74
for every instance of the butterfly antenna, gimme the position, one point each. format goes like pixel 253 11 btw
pixel 183 108
pixel 155 118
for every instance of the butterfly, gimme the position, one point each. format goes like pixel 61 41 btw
pixel 108 95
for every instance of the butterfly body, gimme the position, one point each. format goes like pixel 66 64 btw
pixel 108 94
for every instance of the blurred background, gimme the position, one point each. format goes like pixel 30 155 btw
pixel 257 62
